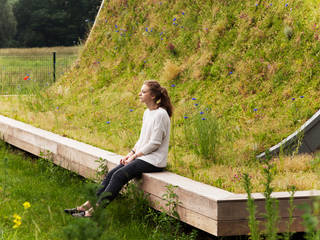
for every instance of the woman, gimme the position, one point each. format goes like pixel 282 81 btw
pixel 149 153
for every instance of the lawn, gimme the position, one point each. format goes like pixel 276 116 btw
pixel 26 71
pixel 34 192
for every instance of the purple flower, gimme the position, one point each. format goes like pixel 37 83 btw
pixel 293 99
pixel 196 104
pixel 116 26
pixel 131 110
pixel 182 13
pixel 57 108
pixel 203 118
pixel 107 122
pixel 230 73
pixel 146 29
pixel 257 4
pixel 161 33
pixel 301 96
pixel 286 5
pixel 174 19
pixel 173 85
pixel 194 98
pixel 256 109
pixel 185 117
pixel 201 113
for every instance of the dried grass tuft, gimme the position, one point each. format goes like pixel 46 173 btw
pixel 171 71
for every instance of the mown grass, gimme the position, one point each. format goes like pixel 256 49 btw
pixel 49 189
pixel 251 65
pixel 28 71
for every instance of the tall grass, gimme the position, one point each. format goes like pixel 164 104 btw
pixel 247 62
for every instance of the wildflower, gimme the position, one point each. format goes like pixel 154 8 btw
pixel 194 98
pixel 161 33
pixel 107 122
pixel 87 20
pixel 174 19
pixel 26 205
pixel 255 109
pixel 286 5
pixel 185 117
pixel 173 85
pixel 196 104
pixel 26 77
pixel 182 13
pixel 201 112
pixel 203 118
pixel 116 26
pixel 16 221
pixel 131 110
pixel 257 4
pixel 301 96
pixel 293 99
pixel 57 108
pixel 230 73
pixel 270 4
pixel 146 29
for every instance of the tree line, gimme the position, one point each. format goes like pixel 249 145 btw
pixel 39 23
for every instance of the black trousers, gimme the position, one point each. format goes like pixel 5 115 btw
pixel 121 175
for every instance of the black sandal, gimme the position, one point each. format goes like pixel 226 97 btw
pixel 80 214
pixel 72 211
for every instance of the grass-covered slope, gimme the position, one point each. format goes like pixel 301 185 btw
pixel 251 66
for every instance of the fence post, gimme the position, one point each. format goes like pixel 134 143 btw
pixel 54 66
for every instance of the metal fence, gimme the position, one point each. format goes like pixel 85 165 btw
pixel 24 74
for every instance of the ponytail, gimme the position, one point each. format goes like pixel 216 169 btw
pixel 161 96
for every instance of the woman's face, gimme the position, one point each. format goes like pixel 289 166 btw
pixel 145 95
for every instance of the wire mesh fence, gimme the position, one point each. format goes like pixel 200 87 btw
pixel 24 74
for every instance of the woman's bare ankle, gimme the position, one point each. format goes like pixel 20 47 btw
pixel 84 206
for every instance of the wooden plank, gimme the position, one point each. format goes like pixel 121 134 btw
pixel 237 209
pixel 188 216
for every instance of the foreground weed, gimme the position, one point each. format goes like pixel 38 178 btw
pixel 310 219
pixel 271 204
pixel 253 223
pixel 102 168
pixel 288 234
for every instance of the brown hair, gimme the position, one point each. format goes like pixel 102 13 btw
pixel 161 94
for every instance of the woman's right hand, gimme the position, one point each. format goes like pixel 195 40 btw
pixel 124 159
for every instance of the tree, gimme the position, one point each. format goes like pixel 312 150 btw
pixel 53 22
pixel 7 24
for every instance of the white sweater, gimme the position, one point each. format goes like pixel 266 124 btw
pixel 154 137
